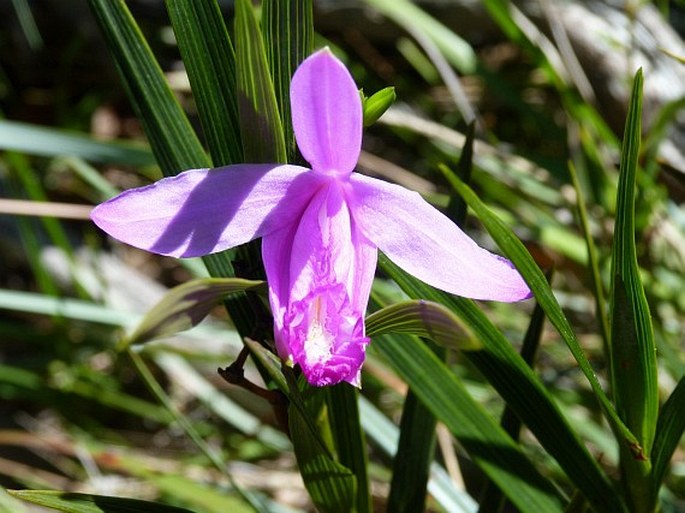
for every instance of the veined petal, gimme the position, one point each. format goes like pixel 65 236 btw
pixel 202 211
pixel 327 114
pixel 426 244
pixel 320 276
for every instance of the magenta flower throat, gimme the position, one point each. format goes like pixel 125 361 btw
pixel 321 229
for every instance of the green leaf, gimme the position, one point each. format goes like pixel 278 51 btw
pixel 288 30
pixel 209 59
pixel 425 319
pixel 87 503
pixel 260 122
pixel 415 452
pixel 403 12
pixel 173 140
pixel 376 104
pixel 669 431
pixel 487 444
pixel 350 442
pixel 53 142
pixel 593 259
pixel 331 486
pixel 185 306
pixel 632 348
pixel 518 254
pixel 492 499
pixel 522 390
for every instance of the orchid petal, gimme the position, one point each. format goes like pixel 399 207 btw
pixel 326 114
pixel 202 211
pixel 320 276
pixel 426 244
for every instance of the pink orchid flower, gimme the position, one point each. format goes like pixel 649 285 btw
pixel 321 229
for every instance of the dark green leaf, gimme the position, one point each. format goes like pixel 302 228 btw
pixel 415 453
pixel 185 306
pixel 331 485
pixel 173 140
pixel 349 439
pixel 86 503
pixel 425 319
pixel 632 350
pixel 522 390
pixel 288 30
pixel 518 254
pixel 260 122
pixel 492 499
pixel 209 59
pixel 487 444
pixel 669 431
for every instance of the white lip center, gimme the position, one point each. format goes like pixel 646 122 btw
pixel 318 343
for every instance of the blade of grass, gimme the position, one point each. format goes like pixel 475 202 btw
pixel 593 260
pixel 522 390
pixel 632 350
pixel 260 121
pixel 288 29
pixel 517 253
pixel 88 503
pixel 487 444
pixel 209 59
pixel 52 142
pixel 348 436
pixel 669 431
pixel 415 452
pixel 492 499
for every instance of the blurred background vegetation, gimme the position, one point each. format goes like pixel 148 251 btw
pixel 546 88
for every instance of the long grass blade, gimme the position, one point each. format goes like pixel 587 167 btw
pixel 288 29
pixel 632 349
pixel 209 59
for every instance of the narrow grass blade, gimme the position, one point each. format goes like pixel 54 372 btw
pixel 87 503
pixel 517 253
pixel 174 143
pixel 331 486
pixel 487 444
pixel 209 59
pixel 260 122
pixel 415 452
pixel 185 306
pixel 492 499
pixel 593 260
pixel 53 142
pixel 349 439
pixel 669 431
pixel 403 12
pixel 288 30
pixel 522 390
pixel 425 319
pixel 632 349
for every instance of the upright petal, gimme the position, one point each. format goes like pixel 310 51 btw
pixel 327 114
pixel 202 211
pixel 426 244
pixel 320 275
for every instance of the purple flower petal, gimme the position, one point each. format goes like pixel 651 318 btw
pixel 202 211
pixel 320 274
pixel 426 244
pixel 327 114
